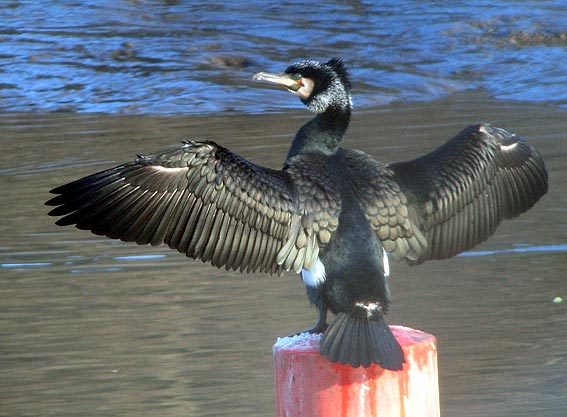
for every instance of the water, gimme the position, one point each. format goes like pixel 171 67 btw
pixel 169 57
pixel 94 327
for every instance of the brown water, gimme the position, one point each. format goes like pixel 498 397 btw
pixel 94 327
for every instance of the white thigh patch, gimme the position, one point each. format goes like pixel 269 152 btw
pixel 315 276
pixel 386 263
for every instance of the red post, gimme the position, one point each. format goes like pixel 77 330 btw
pixel 309 385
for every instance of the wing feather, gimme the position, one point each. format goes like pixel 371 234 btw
pixel 385 206
pixel 208 203
pixel 460 192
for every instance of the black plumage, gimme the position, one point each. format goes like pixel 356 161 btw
pixel 330 213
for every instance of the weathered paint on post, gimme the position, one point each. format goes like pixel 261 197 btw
pixel 308 385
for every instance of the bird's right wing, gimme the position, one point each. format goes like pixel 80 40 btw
pixel 385 206
pixel 459 193
pixel 206 202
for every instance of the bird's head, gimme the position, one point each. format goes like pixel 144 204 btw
pixel 320 86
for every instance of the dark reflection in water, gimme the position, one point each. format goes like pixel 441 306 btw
pixel 150 56
pixel 94 327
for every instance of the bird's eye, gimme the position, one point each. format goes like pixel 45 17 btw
pixel 297 76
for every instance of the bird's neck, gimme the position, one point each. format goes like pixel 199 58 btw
pixel 322 134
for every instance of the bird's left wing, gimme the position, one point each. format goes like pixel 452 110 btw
pixel 201 199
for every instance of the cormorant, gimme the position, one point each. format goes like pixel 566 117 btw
pixel 331 214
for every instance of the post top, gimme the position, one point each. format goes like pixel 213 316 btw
pixel 310 343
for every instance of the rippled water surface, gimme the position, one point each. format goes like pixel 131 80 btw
pixel 94 327
pixel 196 57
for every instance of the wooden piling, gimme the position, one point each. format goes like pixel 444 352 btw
pixel 309 385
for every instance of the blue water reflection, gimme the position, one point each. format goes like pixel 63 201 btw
pixel 522 249
pixel 198 57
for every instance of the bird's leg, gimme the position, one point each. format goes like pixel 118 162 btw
pixel 321 324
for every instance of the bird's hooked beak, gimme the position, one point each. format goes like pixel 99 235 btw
pixel 286 80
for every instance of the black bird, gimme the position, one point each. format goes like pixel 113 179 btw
pixel 331 214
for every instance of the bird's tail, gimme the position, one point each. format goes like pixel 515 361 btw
pixel 360 341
